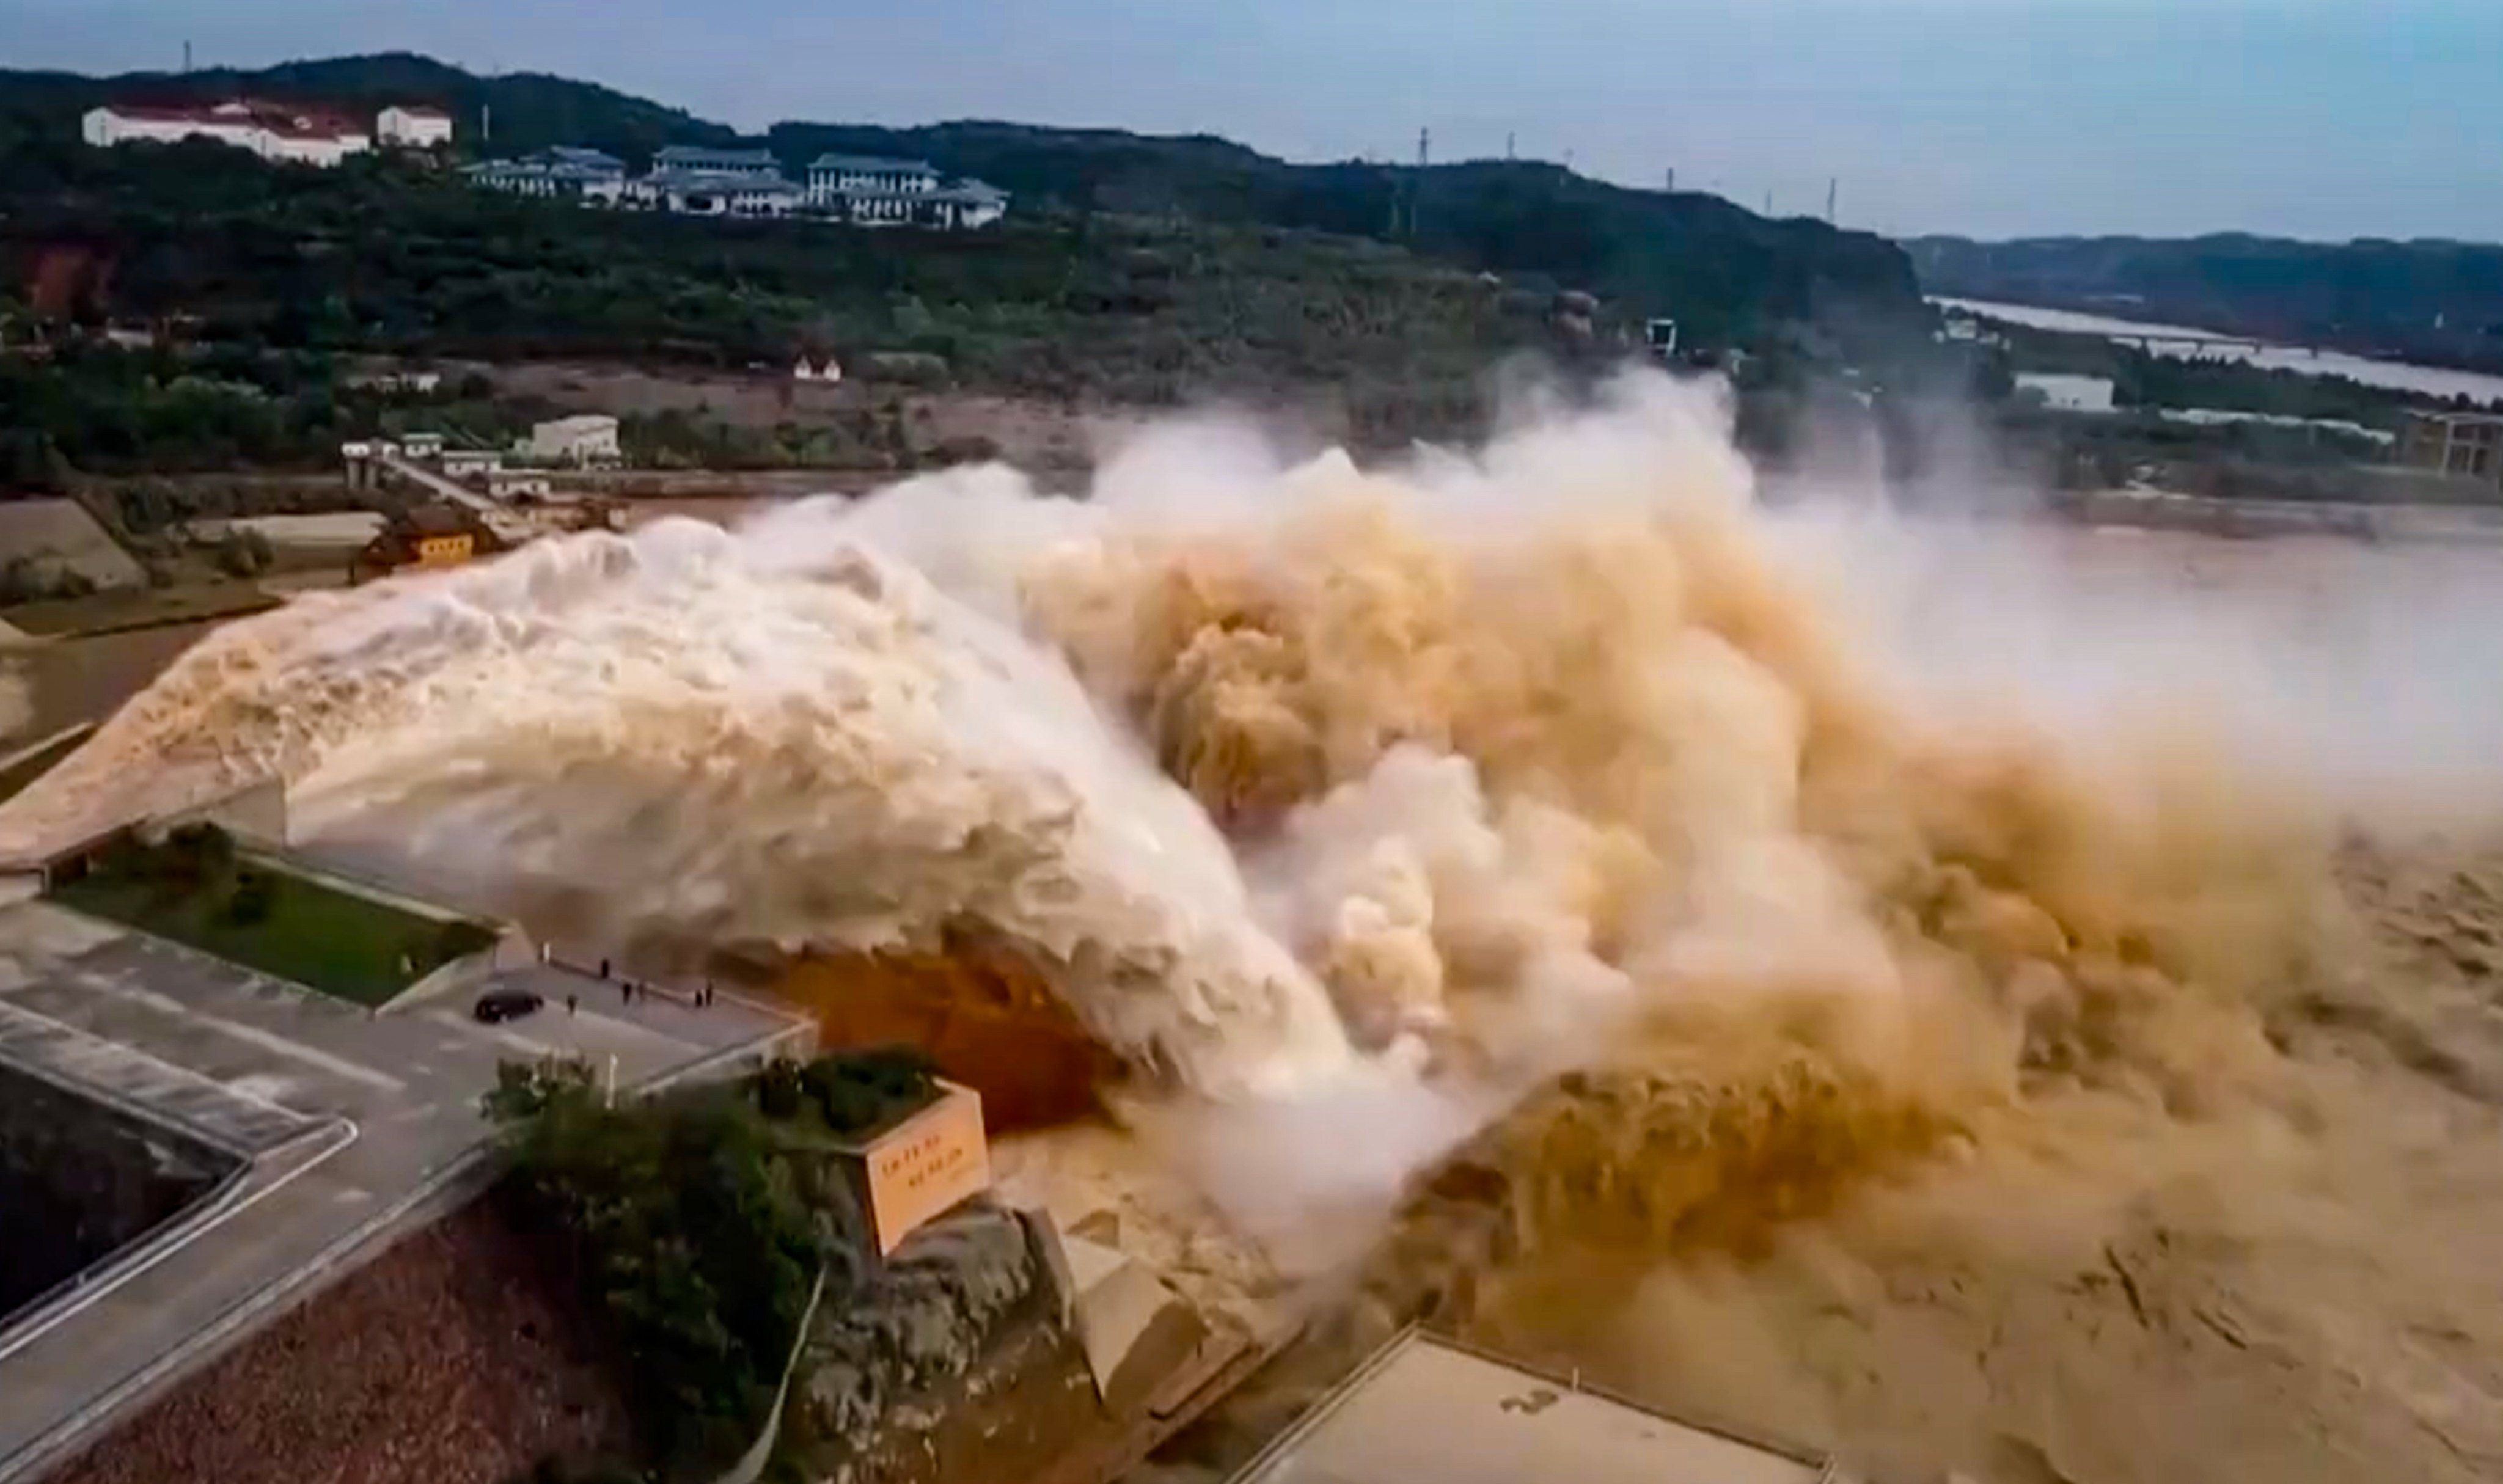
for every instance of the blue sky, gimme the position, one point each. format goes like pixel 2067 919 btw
pixel 1995 117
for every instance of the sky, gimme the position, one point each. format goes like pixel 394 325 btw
pixel 2320 119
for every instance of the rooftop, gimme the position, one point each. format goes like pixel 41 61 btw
pixel 294 120
pixel 555 170
pixel 1426 1408
pixel 872 164
pixel 698 157
pixel 574 155
pixel 673 178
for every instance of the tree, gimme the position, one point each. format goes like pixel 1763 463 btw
pixel 249 903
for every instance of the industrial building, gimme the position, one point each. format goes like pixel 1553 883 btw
pixel 2465 445
pixel 425 538
pixel 583 440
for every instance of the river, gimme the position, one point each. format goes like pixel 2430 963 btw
pixel 2398 376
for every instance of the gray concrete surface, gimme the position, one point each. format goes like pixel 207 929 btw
pixel 374 1119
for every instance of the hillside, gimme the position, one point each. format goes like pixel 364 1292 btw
pixel 1726 274
pixel 2435 302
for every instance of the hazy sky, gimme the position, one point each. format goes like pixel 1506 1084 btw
pixel 1994 118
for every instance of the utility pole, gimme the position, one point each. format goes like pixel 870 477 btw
pixel 1508 137
pixel 1832 184
pixel 486 122
pixel 187 57
pixel 1668 180
pixel 1769 203
pixel 1417 191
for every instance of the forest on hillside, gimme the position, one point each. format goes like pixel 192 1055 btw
pixel 1726 275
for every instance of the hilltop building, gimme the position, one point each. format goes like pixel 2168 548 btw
pixel 562 172
pixel 702 162
pixel 715 192
pixel 690 179
pixel 274 131
pixel 407 126
pixel 875 192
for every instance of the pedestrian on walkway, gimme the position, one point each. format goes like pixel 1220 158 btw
pixel 603 968
pixel 570 1004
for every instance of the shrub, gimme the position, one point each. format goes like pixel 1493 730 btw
pixel 252 898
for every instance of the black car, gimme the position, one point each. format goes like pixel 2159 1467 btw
pixel 506 1004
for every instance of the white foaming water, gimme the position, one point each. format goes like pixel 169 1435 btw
pixel 1515 750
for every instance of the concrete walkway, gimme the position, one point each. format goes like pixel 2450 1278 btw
pixel 151 1024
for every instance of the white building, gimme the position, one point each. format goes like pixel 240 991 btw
pixel 816 368
pixel 715 193
pixel 835 176
pixel 590 438
pixel 470 463
pixel 702 162
pixel 871 190
pixel 581 175
pixel 2064 392
pixel 274 131
pixel 410 128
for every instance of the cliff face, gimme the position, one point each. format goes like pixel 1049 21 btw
pixel 78 1179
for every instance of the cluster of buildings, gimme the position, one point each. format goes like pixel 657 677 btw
pixel 685 179
pixel 291 133
pixel 470 503
pixel 693 181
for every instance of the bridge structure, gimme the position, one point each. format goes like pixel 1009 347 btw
pixel 2195 343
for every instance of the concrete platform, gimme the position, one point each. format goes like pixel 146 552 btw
pixel 356 1123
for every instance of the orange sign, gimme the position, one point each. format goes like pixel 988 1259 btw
pixel 924 1166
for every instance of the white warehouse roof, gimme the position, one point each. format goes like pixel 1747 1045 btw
pixel 1426 1410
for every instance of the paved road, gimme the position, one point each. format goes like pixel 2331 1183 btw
pixel 364 1122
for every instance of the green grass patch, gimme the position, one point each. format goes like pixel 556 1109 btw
pixel 250 913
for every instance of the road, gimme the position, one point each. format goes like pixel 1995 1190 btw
pixel 356 1124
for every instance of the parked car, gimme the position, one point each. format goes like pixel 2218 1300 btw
pixel 498 1006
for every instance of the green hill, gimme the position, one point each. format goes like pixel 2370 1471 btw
pixel 1726 274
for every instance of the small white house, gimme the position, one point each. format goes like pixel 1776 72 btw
pixel 469 463
pixel 407 127
pixel 423 445
pixel 588 438
pixel 518 485
pixel 816 368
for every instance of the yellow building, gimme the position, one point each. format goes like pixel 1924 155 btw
pixel 428 538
